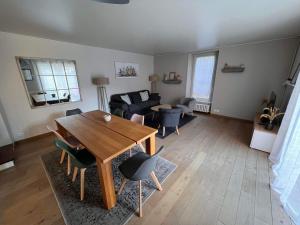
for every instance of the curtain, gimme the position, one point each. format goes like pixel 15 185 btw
pixel 285 155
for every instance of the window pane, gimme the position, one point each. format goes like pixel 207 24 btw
pixel 72 81
pixel 75 95
pixel 48 82
pixel 44 68
pixel 63 95
pixel 61 82
pixel 70 68
pixel 58 68
pixel 203 77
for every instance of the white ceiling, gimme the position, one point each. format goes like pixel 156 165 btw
pixel 153 26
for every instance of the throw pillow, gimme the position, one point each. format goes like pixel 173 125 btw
pixel 144 95
pixel 126 99
pixel 135 97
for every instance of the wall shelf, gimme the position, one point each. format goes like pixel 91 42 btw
pixel 172 81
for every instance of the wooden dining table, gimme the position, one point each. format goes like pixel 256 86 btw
pixel 106 140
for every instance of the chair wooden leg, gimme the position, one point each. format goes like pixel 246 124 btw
pixel 164 131
pixel 155 180
pixel 158 126
pixel 69 165
pixel 124 181
pixel 130 153
pixel 82 171
pixel 140 200
pixel 75 173
pixel 177 131
pixel 182 115
pixel 62 157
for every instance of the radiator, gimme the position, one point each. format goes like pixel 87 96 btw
pixel 202 107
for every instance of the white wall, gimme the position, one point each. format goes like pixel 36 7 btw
pixel 25 121
pixel 163 64
pixel 267 66
pixel 237 95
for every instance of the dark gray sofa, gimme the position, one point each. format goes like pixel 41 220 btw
pixel 137 106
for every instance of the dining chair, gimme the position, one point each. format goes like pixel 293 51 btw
pixel 81 161
pixel 136 118
pixel 169 118
pixel 70 141
pixel 138 168
pixel 73 112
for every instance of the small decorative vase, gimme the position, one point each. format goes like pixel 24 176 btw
pixel 269 126
pixel 107 117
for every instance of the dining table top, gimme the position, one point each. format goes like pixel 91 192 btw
pixel 102 142
pixel 127 128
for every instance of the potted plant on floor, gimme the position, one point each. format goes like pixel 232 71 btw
pixel 270 113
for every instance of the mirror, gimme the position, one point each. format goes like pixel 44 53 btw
pixel 49 81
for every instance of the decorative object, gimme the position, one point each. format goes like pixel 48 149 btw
pixel 173 78
pixel 153 79
pixel 271 113
pixel 101 91
pixel 233 69
pixel 172 75
pixel 91 211
pixel 27 74
pixel 107 117
pixel 126 70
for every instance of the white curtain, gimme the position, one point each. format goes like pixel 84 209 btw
pixel 286 158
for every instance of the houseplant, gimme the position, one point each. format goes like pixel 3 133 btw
pixel 270 113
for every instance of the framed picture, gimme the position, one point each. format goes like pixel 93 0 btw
pixel 126 70
pixel 172 75
pixel 27 75
pixel 293 79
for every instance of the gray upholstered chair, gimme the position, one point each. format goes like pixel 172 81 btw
pixel 73 112
pixel 138 168
pixel 80 159
pixel 187 105
pixel 169 118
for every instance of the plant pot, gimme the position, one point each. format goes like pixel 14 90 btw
pixel 269 126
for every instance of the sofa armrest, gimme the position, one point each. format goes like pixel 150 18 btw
pixel 154 96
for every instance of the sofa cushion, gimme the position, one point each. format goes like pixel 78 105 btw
pixel 126 99
pixel 144 96
pixel 135 97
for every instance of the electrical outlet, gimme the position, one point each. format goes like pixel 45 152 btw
pixel 216 110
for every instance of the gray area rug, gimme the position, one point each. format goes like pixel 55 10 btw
pixel 90 211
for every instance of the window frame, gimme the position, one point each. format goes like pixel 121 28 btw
pixel 56 90
pixel 194 58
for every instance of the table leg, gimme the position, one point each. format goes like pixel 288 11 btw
pixel 107 184
pixel 150 145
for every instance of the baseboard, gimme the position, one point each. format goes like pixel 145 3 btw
pixel 33 138
pixel 229 117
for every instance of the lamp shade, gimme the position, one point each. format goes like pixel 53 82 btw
pixel 100 81
pixel 153 78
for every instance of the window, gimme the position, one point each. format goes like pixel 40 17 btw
pixel 203 76
pixel 50 81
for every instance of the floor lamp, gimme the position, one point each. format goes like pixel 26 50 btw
pixel 153 79
pixel 101 92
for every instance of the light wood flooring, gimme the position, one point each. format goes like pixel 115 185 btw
pixel 219 181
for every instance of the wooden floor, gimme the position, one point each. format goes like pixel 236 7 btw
pixel 219 181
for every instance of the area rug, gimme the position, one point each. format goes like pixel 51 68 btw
pixel 169 130
pixel 90 211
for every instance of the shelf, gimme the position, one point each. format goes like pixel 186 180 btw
pixel 172 81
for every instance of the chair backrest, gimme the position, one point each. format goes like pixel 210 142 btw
pixel 186 101
pixel 73 112
pixel 147 166
pixel 137 119
pixel 169 117
pixel 59 137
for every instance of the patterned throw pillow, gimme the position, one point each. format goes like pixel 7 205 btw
pixel 126 99
pixel 144 95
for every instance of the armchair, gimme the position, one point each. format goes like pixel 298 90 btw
pixel 187 105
